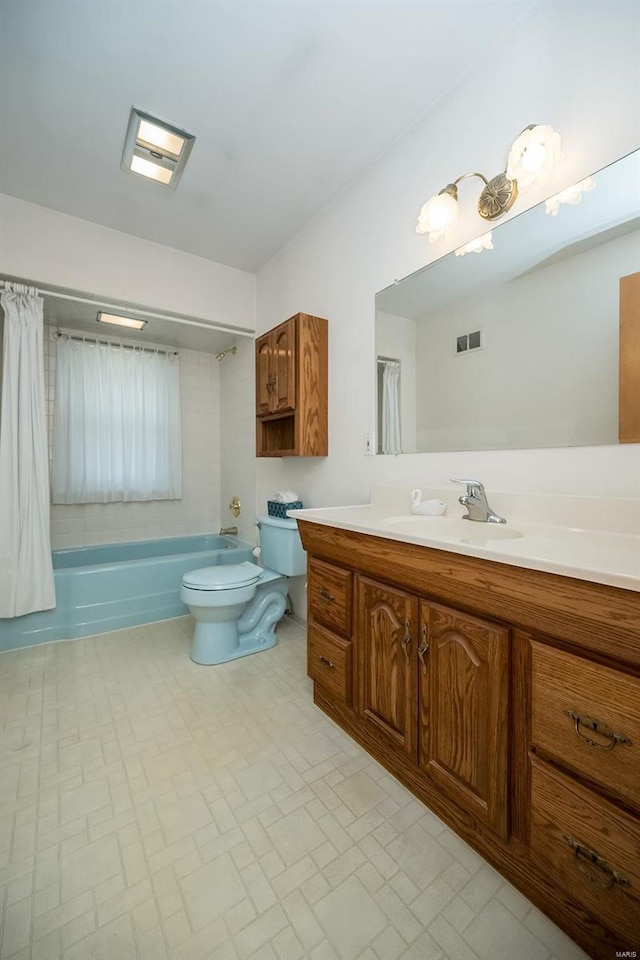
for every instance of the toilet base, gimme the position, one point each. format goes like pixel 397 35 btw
pixel 253 631
pixel 207 649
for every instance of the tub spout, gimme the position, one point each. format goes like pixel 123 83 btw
pixel 229 531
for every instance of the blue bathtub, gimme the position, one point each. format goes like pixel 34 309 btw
pixel 119 585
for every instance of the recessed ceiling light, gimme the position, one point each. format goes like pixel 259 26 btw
pixel 155 149
pixel 121 321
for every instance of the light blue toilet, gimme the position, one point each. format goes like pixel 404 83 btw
pixel 237 606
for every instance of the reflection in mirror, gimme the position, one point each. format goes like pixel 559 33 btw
pixel 529 344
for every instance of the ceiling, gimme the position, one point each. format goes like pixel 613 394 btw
pixel 289 101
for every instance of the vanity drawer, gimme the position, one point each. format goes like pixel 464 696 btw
pixel 589 846
pixel 329 662
pixel 329 590
pixel 586 716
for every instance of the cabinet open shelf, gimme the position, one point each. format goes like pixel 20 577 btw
pixel 276 436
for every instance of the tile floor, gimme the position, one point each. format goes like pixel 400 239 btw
pixel 151 808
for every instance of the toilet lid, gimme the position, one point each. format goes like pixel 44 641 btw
pixel 223 577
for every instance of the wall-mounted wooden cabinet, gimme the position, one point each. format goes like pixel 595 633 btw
pixel 291 389
pixel 506 699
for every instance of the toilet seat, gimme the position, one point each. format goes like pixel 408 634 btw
pixel 223 577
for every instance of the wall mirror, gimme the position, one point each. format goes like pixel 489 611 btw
pixel 534 343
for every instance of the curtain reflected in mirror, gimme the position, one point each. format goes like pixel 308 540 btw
pixel 390 440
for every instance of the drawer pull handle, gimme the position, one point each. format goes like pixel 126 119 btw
pixel 588 858
pixel 406 640
pixel 423 648
pixel 326 596
pixel 326 661
pixel 596 727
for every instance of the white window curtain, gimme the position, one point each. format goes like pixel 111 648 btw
pixel 117 424
pixel 391 442
pixel 26 571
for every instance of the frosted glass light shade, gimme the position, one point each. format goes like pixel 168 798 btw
pixel 152 170
pixel 162 139
pixel 484 242
pixel 571 195
pixel 438 216
pixel 533 156
pixel 121 321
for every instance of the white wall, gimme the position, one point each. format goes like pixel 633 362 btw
pixel 198 511
pixel 573 65
pixel 52 248
pixel 548 371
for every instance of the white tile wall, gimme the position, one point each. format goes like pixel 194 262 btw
pixel 199 509
pixel 237 438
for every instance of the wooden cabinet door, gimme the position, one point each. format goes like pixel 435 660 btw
pixel 387 665
pixel 263 375
pixel 463 714
pixel 283 367
pixel 629 351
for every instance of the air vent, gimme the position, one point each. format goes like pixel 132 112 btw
pixel 468 342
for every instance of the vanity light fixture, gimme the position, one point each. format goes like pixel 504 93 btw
pixel 484 242
pixel 155 149
pixel 571 195
pixel 121 321
pixel 531 159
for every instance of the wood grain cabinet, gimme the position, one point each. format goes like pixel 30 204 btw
pixel 387 665
pixel 507 699
pixel 464 701
pixel 291 389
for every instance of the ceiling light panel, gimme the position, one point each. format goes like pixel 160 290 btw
pixel 155 149
pixel 121 321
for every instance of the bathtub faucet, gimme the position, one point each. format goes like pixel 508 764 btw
pixel 229 531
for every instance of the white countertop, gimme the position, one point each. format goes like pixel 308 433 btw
pixel 602 556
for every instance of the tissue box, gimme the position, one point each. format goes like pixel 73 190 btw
pixel 277 509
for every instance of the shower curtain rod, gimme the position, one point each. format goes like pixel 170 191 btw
pixel 108 341
pixel 172 318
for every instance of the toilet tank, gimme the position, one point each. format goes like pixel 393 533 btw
pixel 281 547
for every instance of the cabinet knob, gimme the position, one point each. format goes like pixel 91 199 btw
pixel 594 725
pixel 326 596
pixel 406 640
pixel 587 859
pixel 423 648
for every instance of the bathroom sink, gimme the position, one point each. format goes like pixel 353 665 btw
pixel 453 528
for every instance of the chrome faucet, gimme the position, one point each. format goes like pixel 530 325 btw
pixel 475 500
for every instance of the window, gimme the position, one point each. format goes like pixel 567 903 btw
pixel 117 424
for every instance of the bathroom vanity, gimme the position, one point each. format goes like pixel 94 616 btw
pixel 501 685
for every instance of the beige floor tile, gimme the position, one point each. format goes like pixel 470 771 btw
pixel 215 813
pixel 295 835
pixel 88 866
pixel 495 932
pixel 212 890
pixel 114 940
pixel 337 912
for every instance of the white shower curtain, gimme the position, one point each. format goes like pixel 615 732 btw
pixel 391 442
pixel 26 571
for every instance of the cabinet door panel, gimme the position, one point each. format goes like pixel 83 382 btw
pixel 284 368
pixel 263 375
pixel 464 703
pixel 386 628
